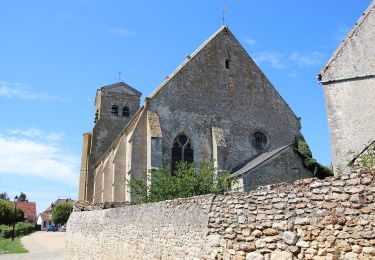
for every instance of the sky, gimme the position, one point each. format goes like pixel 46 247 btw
pixel 55 54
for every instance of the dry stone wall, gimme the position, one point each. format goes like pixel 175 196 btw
pixel 311 219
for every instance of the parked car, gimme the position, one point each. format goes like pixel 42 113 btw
pixel 62 228
pixel 52 228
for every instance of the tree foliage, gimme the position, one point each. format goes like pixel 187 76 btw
pixel 61 213
pixel 4 196
pixel 187 180
pixel 310 163
pixel 22 197
pixel 6 212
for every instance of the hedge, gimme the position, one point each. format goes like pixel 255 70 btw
pixel 21 229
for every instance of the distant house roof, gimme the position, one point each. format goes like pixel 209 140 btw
pixel 264 157
pixel 57 202
pixel 28 208
pixel 46 216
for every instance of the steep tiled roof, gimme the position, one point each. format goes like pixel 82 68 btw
pixel 28 208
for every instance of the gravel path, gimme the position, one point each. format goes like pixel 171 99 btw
pixel 41 245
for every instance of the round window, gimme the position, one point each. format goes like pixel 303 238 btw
pixel 259 140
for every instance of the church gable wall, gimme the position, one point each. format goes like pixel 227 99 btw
pixel 355 57
pixel 240 100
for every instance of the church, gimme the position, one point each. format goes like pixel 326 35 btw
pixel 217 106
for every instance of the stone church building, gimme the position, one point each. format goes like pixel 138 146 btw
pixel 348 80
pixel 217 106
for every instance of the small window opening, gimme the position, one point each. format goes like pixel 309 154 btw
pixel 125 111
pixel 114 110
pixel 96 116
pixel 227 65
pixel 259 140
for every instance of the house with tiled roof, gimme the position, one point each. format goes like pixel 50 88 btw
pixel 28 208
pixel 45 218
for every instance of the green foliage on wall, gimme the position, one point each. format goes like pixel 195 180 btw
pixel 310 163
pixel 188 180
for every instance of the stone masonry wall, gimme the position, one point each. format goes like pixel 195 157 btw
pixel 311 219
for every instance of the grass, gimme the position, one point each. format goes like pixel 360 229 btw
pixel 11 247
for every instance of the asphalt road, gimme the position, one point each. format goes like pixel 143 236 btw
pixel 41 245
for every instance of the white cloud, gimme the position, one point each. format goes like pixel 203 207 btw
pixel 275 59
pixel 18 90
pixel 121 32
pixel 250 41
pixel 282 61
pixel 311 59
pixel 36 153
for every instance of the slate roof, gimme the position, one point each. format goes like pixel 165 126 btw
pixel 262 158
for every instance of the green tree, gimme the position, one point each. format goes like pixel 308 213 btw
pixel 4 196
pixel 6 212
pixel 187 180
pixel 22 197
pixel 61 213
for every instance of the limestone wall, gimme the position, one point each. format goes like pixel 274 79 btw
pixel 311 219
pixel 166 230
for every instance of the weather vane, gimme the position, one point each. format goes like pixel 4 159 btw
pixel 224 11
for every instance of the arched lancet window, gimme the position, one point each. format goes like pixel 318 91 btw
pixel 125 111
pixel 114 110
pixel 182 150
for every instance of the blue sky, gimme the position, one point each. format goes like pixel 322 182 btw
pixel 54 54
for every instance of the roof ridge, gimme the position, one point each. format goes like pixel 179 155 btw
pixel 359 22
pixel 189 58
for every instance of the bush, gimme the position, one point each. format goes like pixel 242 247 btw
pixel 188 180
pixel 21 229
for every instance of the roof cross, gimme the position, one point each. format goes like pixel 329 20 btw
pixel 119 76
pixel 224 11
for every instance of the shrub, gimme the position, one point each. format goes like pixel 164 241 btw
pixel 188 180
